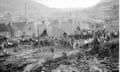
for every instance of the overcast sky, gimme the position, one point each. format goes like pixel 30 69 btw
pixel 68 3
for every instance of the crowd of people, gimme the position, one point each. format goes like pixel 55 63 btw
pixel 84 37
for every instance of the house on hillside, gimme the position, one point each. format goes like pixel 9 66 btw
pixel 24 28
pixel 5 30
pixel 52 31
pixel 19 27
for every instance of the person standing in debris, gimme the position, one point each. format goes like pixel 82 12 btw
pixel 4 44
pixel 64 55
pixel 52 51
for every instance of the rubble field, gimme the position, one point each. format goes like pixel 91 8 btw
pixel 61 60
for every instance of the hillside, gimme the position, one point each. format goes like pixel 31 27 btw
pixel 105 13
pixel 17 7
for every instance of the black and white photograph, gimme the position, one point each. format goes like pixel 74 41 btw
pixel 59 35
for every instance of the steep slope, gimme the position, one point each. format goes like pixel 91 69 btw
pixel 105 13
pixel 17 7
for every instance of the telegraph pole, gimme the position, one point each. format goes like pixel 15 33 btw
pixel 25 10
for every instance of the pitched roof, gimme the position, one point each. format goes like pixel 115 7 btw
pixel 44 33
pixel 51 30
pixel 4 27
pixel 40 28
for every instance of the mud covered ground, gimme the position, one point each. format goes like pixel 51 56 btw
pixel 61 60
